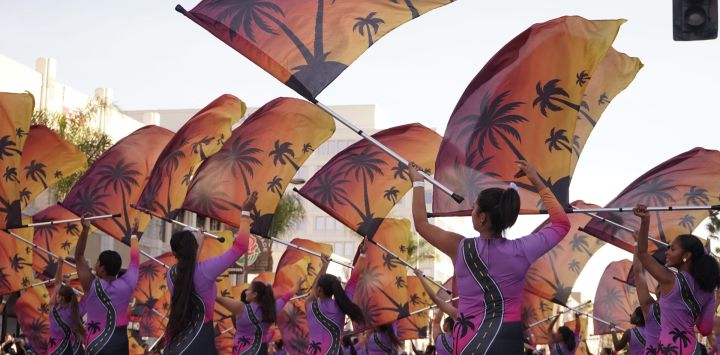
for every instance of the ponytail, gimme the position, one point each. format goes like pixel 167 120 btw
pixel 266 299
pixel 184 247
pixel 77 324
pixel 704 268
pixel 501 205
pixel 330 285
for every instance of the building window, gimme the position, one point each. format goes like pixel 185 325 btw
pixel 349 250
pixel 319 224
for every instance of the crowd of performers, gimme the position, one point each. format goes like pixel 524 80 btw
pixel 490 271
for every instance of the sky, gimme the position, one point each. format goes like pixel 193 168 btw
pixel 155 58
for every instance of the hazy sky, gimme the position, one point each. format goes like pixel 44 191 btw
pixel 153 57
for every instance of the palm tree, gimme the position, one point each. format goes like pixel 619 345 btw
pixel 368 23
pixel 36 171
pixel 400 282
pixel 390 261
pixel 307 148
pixel 574 266
pixel 19 132
pixel 197 147
pixel 655 191
pixel 558 140
pixel 550 93
pixel 369 280
pixel 47 231
pixel 73 229
pixel 400 171
pixel 208 199
pixel 7 147
pixel 680 335
pixel 401 309
pixel 38 327
pixel 329 190
pixel 493 120
pixel 10 174
pixel 4 280
pixel 612 298
pixel 465 323
pixel 283 154
pixel 315 347
pixel 58 174
pixel 579 243
pixel 687 222
pixel 239 158
pixel 93 327
pixel 603 100
pixel 25 195
pixel 697 196
pixel 366 164
pixel 275 185
pixel 121 176
pixel 187 177
pixel 582 78
pixel 576 145
pixel 66 245
pixel 413 10
pixel 18 263
pixel 391 194
pixel 25 282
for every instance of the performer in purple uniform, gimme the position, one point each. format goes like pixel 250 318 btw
pixel 490 270
pixel 688 298
pixel 254 313
pixel 326 307
pixel 444 338
pixel 66 325
pixel 565 340
pixel 192 284
pixel 383 341
pixel 634 337
pixel 107 296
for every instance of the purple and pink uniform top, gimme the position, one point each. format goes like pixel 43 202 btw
pixel 490 273
pixel 681 310
pixel 652 328
pixel 61 333
pixel 637 341
pixel 325 322
pixel 250 330
pixel 106 303
pixel 379 343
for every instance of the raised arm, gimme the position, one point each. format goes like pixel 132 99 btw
pixel 445 307
pixel 83 268
pixel 437 323
pixel 554 321
pixel 621 343
pixel 131 275
pixel 235 307
pixel 537 244
pixel 445 241
pixel 58 280
pixel 641 286
pixel 707 317
pixel 325 261
pixel 663 275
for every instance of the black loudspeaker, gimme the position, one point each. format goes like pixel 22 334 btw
pixel 695 20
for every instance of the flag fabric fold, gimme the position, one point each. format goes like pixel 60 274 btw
pixel 262 154
pixel 689 178
pixel 46 159
pixel 360 185
pixel 523 105
pixel 416 326
pixel 59 239
pixel 614 300
pixel 378 283
pixel 116 180
pixel 199 138
pixel 33 313
pixel 15 113
pixel 304 44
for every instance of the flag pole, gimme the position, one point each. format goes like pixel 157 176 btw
pixel 586 314
pixel 291 245
pixel 348 124
pixel 35 246
pixel 433 306
pixel 649 209
pixel 618 225
pixel 70 220
pixel 170 220
pixel 535 324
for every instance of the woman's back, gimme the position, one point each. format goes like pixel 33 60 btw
pixel 325 324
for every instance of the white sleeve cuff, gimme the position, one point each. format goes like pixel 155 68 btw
pixel 419 184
